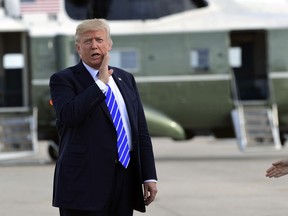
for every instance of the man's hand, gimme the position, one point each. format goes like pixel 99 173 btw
pixel 278 169
pixel 150 191
pixel 104 73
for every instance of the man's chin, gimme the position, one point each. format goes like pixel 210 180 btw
pixel 95 64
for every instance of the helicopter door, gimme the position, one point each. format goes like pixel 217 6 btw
pixel 18 128
pixel 250 70
pixel 255 119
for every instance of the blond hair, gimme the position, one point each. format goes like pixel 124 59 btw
pixel 92 24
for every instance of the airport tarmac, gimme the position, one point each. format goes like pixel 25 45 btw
pixel 203 177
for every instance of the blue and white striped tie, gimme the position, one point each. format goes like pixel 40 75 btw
pixel 122 141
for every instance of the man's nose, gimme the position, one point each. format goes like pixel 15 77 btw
pixel 94 43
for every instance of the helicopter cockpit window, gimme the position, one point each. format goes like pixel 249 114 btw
pixel 128 59
pixel 199 59
pixel 128 9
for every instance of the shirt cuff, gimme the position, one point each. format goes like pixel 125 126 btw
pixel 102 85
pixel 150 180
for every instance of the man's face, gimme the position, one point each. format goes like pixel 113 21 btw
pixel 92 46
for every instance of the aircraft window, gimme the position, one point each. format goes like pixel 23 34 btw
pixel 13 60
pixel 11 91
pixel 199 59
pixel 128 9
pixel 44 48
pixel 235 57
pixel 126 59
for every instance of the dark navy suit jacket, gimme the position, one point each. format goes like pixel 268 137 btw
pixel 84 171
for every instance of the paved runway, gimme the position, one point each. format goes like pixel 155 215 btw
pixel 203 177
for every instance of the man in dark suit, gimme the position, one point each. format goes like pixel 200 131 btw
pixel 89 176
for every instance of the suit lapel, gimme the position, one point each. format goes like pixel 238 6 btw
pixel 121 86
pixel 125 92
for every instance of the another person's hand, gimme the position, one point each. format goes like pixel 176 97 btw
pixel 150 191
pixel 104 72
pixel 278 169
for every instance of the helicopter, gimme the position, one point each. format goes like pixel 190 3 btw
pixel 202 67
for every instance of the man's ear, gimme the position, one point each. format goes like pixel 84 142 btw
pixel 110 47
pixel 110 43
pixel 77 47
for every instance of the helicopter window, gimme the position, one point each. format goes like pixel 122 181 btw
pixel 11 90
pixel 13 61
pixel 44 47
pixel 199 59
pixel 127 59
pixel 235 57
pixel 128 9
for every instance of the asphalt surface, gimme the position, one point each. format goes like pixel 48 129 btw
pixel 203 177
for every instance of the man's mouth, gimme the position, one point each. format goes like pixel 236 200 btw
pixel 95 55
